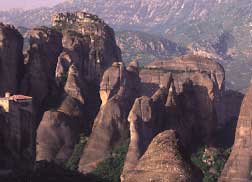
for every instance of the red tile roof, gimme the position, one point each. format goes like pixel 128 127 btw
pixel 17 97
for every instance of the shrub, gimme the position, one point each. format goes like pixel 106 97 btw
pixel 211 165
pixel 72 163
pixel 111 168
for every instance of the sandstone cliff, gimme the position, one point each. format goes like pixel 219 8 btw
pixel 38 82
pixel 56 136
pixel 63 125
pixel 199 83
pixel 89 48
pixel 149 117
pixel 238 166
pixel 166 106
pixel 119 88
pixel 11 59
pixel 59 129
pixel 103 49
pixel 164 160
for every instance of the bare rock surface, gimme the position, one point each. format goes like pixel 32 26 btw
pixel 238 166
pixel 192 63
pixel 163 160
pixel 63 125
pixel 119 88
pixel 89 48
pixel 56 136
pixel 76 49
pixel 45 47
pixel 11 59
pixel 103 49
pixel 199 84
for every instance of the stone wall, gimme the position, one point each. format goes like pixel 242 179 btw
pixel 18 132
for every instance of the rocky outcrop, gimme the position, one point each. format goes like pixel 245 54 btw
pixel 56 136
pixel 11 59
pixel 144 125
pixel 199 84
pixel 238 166
pixel 148 117
pixel 88 49
pixel 38 82
pixel 183 96
pixel 63 125
pixel 103 49
pixel 76 51
pixel 164 160
pixel 119 88
pixel 187 64
pixel 111 81
pixel 17 132
pixel 59 129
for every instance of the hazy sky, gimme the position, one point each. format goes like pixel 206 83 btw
pixel 26 4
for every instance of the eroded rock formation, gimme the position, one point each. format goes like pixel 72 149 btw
pixel 146 120
pixel 238 166
pixel 88 49
pixel 56 136
pixel 76 49
pixel 103 49
pixel 11 59
pixel 59 129
pixel 164 160
pixel 170 107
pixel 39 82
pixel 119 88
pixel 199 84
pixel 63 72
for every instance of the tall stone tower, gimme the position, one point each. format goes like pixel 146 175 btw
pixel 17 129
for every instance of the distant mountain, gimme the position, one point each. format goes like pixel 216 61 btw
pixel 146 47
pixel 219 27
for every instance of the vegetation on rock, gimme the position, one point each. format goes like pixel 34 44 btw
pixel 72 163
pixel 111 168
pixel 211 162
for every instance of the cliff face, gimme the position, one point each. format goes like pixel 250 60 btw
pixel 103 49
pixel 165 106
pixel 88 49
pixel 203 26
pixel 149 119
pixel 45 47
pixel 11 59
pixel 238 165
pixel 164 160
pixel 118 90
pixel 17 132
pixel 201 78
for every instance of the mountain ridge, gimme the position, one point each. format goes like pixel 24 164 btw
pixel 215 27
